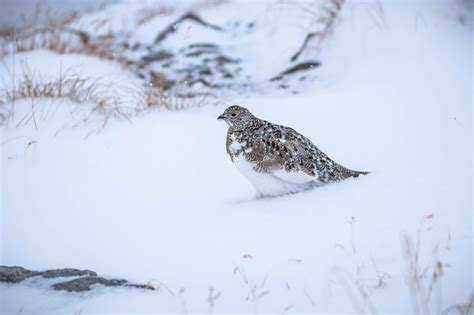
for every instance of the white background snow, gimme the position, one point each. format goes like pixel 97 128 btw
pixel 157 198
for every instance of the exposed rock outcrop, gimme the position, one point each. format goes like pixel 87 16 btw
pixel 83 279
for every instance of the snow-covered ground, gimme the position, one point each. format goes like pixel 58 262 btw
pixel 157 199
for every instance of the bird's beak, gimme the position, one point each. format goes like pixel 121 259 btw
pixel 221 117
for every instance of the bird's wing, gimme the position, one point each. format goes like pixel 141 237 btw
pixel 286 154
pixel 283 153
pixel 310 159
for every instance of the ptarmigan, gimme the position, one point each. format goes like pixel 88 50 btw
pixel 276 159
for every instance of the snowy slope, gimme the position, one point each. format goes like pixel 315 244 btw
pixel 157 199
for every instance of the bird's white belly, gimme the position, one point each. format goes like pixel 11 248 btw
pixel 267 184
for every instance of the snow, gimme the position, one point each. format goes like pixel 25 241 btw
pixel 157 198
pixel 271 185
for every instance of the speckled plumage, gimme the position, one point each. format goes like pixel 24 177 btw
pixel 279 152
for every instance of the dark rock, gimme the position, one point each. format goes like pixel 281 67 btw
pixel 228 76
pixel 304 66
pixel 15 274
pixel 205 71
pixel 167 65
pixel 136 46
pixel 66 272
pixel 221 60
pixel 202 48
pixel 85 283
pixel 303 46
pixel 204 45
pixel 87 278
pixel 159 56
pixel 174 26
pixel 203 82
pixel 140 286
pixel 196 53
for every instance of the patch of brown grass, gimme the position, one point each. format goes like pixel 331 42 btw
pixel 68 86
pixel 92 94
pixel 178 97
pixel 56 34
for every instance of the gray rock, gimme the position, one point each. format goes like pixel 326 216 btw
pixel 67 272
pixel 85 283
pixel 88 278
pixel 189 16
pixel 15 274
pixel 158 56
pixel 304 66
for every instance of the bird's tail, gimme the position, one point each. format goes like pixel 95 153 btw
pixel 351 173
pixel 357 173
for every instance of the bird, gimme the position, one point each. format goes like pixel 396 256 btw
pixel 276 159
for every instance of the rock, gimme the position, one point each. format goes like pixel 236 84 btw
pixel 196 53
pixel 87 278
pixel 85 283
pixel 159 56
pixel 221 60
pixel 204 45
pixel 303 46
pixel 66 272
pixel 228 76
pixel 15 274
pixel 204 71
pixel 296 68
pixel 189 16
pixel 196 50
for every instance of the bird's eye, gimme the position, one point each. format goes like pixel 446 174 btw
pixel 233 114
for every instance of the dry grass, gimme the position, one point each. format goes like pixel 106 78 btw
pixel 149 13
pixel 212 297
pixel 324 23
pixel 178 97
pixel 56 34
pixel 30 25
pixel 356 286
pixel 67 86
pixel 93 95
pixel 417 276
pixel 257 290
pixel 425 282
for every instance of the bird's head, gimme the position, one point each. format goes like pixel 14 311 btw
pixel 237 117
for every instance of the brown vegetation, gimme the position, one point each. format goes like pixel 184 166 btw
pixel 325 24
pixel 56 34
